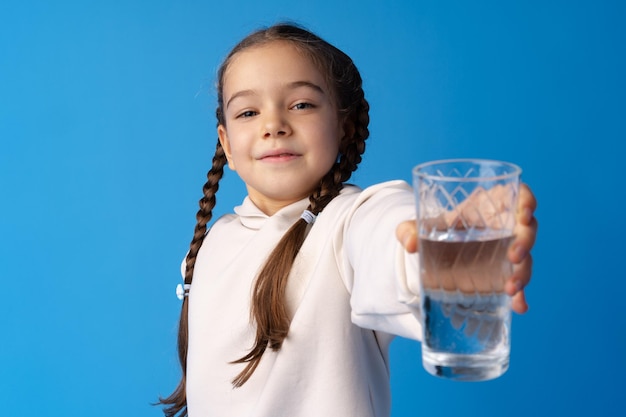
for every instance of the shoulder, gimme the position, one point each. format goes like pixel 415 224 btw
pixel 354 193
pixel 385 194
pixel 396 187
pixel 378 199
pixel 383 205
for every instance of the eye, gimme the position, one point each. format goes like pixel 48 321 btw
pixel 246 114
pixel 303 105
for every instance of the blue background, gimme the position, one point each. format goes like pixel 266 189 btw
pixel 107 130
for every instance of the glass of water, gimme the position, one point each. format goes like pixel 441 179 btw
pixel 466 218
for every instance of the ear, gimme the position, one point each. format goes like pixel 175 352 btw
pixel 223 137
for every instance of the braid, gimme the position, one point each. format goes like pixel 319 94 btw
pixel 177 401
pixel 206 203
pixel 352 148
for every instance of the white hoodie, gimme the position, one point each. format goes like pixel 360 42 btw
pixel 351 288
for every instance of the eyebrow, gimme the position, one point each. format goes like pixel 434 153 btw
pixel 292 85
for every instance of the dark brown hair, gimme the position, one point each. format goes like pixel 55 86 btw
pixel 268 310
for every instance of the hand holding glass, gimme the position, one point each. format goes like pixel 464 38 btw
pixel 466 216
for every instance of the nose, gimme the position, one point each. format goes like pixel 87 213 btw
pixel 275 125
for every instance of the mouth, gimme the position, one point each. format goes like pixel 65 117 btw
pixel 279 155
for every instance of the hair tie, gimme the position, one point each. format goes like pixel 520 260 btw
pixel 308 217
pixel 182 291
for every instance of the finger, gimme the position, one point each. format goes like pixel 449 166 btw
pixel 525 236
pixel 526 225
pixel 527 204
pixel 406 233
pixel 518 303
pixel 521 276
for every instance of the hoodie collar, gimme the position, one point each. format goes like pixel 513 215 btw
pixel 253 218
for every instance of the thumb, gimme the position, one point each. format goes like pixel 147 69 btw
pixel 406 233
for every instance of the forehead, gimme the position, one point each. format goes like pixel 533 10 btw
pixel 273 62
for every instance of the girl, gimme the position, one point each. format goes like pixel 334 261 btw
pixel 290 303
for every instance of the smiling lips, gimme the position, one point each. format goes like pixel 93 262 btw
pixel 279 155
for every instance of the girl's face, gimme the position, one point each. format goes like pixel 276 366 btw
pixel 282 130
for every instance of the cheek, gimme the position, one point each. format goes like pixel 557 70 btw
pixel 236 156
pixel 236 152
pixel 335 143
pixel 329 154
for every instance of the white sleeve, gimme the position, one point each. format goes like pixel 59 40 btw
pixel 384 282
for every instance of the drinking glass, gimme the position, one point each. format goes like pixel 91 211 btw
pixel 466 219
